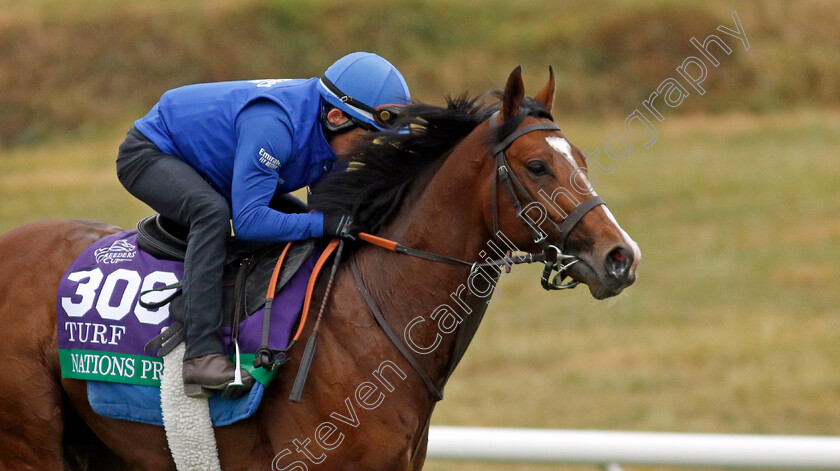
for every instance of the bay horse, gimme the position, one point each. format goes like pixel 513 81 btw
pixel 463 176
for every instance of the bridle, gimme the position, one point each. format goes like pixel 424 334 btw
pixel 551 254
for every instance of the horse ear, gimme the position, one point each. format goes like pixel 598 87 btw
pixel 546 96
pixel 514 94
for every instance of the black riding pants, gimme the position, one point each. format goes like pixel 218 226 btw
pixel 178 192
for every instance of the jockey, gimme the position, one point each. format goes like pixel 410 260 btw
pixel 209 153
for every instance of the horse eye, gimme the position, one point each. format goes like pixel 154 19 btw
pixel 537 167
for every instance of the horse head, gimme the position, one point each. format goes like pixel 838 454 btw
pixel 545 200
pixel 505 167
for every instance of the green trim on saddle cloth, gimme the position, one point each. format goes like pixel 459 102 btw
pixel 260 374
pixel 133 369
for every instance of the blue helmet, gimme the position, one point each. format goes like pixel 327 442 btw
pixel 361 82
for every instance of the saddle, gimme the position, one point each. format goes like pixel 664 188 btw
pixel 166 239
pixel 246 277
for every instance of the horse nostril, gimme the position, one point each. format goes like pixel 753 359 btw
pixel 618 262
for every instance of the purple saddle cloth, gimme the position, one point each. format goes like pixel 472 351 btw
pixel 102 329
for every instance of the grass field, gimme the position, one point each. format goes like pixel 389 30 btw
pixel 734 322
pixel 71 64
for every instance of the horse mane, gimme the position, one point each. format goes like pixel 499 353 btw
pixel 386 163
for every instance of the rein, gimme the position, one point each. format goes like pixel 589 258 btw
pixel 440 258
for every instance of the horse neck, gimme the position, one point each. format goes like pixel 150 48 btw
pixel 441 215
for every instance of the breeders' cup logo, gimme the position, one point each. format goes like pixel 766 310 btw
pixel 119 251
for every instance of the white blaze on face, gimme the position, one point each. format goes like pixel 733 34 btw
pixel 637 253
pixel 562 145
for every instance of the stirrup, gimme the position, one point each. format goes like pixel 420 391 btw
pixel 234 391
pixel 237 375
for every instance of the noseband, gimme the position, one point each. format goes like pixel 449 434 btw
pixel 552 253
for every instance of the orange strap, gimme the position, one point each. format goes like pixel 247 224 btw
pixel 384 243
pixel 272 285
pixel 311 287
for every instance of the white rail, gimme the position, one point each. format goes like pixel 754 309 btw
pixel 610 449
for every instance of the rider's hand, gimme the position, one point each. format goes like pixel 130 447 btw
pixel 339 225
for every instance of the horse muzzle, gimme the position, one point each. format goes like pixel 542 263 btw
pixel 607 275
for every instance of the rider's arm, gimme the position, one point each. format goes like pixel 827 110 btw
pixel 263 148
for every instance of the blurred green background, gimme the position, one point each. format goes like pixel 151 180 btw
pixel 734 323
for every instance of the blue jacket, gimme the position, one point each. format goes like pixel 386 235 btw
pixel 249 139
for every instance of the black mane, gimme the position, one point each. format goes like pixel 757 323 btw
pixel 386 163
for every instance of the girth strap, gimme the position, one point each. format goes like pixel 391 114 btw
pixel 264 357
pixel 437 393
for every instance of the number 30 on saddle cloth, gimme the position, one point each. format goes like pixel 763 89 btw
pixel 103 328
